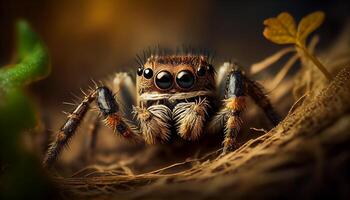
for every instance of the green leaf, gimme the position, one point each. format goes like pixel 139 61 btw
pixel 18 116
pixel 33 60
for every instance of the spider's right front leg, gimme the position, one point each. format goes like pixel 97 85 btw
pixel 109 110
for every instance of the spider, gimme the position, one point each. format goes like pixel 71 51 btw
pixel 174 94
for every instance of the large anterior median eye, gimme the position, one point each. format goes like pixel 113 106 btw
pixel 185 79
pixel 164 80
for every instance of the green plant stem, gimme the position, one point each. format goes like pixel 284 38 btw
pixel 33 60
pixel 318 64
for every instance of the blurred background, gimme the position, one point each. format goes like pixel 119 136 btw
pixel 96 38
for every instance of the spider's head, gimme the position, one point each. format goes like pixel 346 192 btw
pixel 175 77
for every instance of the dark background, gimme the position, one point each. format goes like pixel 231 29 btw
pixel 94 38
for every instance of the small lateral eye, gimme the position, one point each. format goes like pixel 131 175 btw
pixel 210 68
pixel 148 73
pixel 201 70
pixel 140 71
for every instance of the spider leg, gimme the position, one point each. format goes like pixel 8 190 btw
pixel 108 108
pixel 255 91
pixel 93 133
pixel 68 129
pixel 237 86
pixel 221 78
pixel 124 86
pixel 234 105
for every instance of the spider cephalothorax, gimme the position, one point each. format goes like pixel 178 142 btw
pixel 177 88
pixel 174 93
pixel 175 74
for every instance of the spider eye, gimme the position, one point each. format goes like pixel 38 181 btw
pixel 139 71
pixel 185 79
pixel 148 73
pixel 210 68
pixel 164 80
pixel 201 70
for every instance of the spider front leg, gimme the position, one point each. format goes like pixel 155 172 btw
pixel 108 108
pixel 230 114
pixel 236 87
pixel 255 91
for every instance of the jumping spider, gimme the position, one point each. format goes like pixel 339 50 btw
pixel 175 94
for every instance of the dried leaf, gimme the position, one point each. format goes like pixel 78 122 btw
pixel 309 24
pixel 280 30
pixel 288 21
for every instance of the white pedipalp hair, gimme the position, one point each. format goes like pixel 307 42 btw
pixel 153 96
pixel 154 123
pixel 190 117
pixel 218 121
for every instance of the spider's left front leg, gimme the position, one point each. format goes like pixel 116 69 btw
pixel 236 89
pixel 109 109
pixel 230 114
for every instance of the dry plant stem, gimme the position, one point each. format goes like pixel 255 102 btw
pixel 267 62
pixel 283 72
pixel 318 64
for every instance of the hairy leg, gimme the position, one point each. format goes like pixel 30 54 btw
pixel 229 115
pixel 68 129
pixel 108 108
pixel 251 88
pixel 255 91
pixel 93 133
pixel 124 87
pixel 237 86
pixel 221 78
